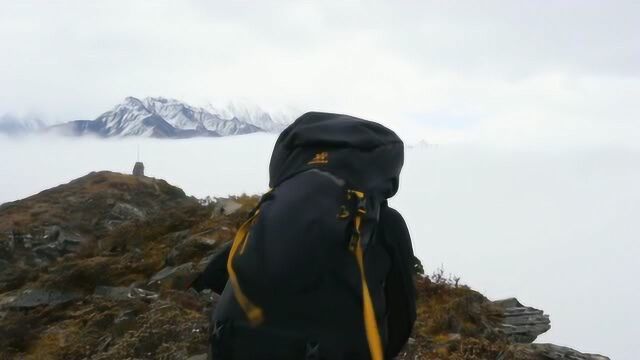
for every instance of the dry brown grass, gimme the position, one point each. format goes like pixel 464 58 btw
pixel 453 322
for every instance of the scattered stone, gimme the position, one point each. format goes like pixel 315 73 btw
pixel 46 253
pixel 112 292
pixel 137 293
pixel 36 297
pixel 125 211
pixel 225 207
pixel 550 352
pixel 190 248
pixel 175 277
pixel 522 324
pixel 124 293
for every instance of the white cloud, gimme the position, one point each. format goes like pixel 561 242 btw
pixel 521 71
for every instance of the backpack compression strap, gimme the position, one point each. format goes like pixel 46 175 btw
pixel 254 313
pixel 355 245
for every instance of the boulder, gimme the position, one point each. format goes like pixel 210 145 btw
pixel 522 324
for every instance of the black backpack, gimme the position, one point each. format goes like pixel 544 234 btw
pixel 308 270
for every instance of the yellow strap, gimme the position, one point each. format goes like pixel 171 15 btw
pixel 370 322
pixel 253 312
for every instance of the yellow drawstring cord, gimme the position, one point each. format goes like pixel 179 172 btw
pixel 370 322
pixel 253 312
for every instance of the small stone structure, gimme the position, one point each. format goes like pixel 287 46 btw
pixel 138 169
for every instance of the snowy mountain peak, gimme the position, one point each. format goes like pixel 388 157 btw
pixel 171 118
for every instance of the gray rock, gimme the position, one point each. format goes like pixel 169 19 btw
pixel 522 324
pixel 225 207
pixel 171 271
pixel 125 211
pixel 112 292
pixel 137 293
pixel 187 248
pixel 550 352
pixel 124 293
pixel 175 276
pixel 36 297
pixel 64 240
pixel 46 253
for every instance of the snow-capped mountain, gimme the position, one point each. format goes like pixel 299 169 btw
pixel 252 114
pixel 12 125
pixel 169 118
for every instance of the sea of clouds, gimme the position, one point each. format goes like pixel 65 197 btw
pixel 555 227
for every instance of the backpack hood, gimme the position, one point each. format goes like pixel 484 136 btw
pixel 364 153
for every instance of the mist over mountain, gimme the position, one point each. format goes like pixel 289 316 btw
pixel 159 117
pixel 13 125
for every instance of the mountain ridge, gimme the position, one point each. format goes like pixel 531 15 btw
pixel 101 268
pixel 160 117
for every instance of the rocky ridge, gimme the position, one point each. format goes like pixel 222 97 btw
pixel 100 268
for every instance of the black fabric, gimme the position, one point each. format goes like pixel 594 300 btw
pixel 400 290
pixel 366 154
pixel 296 263
pixel 232 341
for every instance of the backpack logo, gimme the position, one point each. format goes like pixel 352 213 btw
pixel 320 158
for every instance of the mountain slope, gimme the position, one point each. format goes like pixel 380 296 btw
pixel 100 268
pixel 12 125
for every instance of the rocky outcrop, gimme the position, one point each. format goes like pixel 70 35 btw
pixel 522 324
pixel 100 268
pixel 550 352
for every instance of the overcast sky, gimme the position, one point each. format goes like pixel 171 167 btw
pixel 561 72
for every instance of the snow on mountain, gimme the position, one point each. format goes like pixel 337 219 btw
pixel 169 118
pixel 252 114
pixel 13 125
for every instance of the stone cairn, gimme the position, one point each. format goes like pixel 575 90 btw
pixel 138 169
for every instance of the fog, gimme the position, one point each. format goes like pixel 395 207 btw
pixel 555 227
